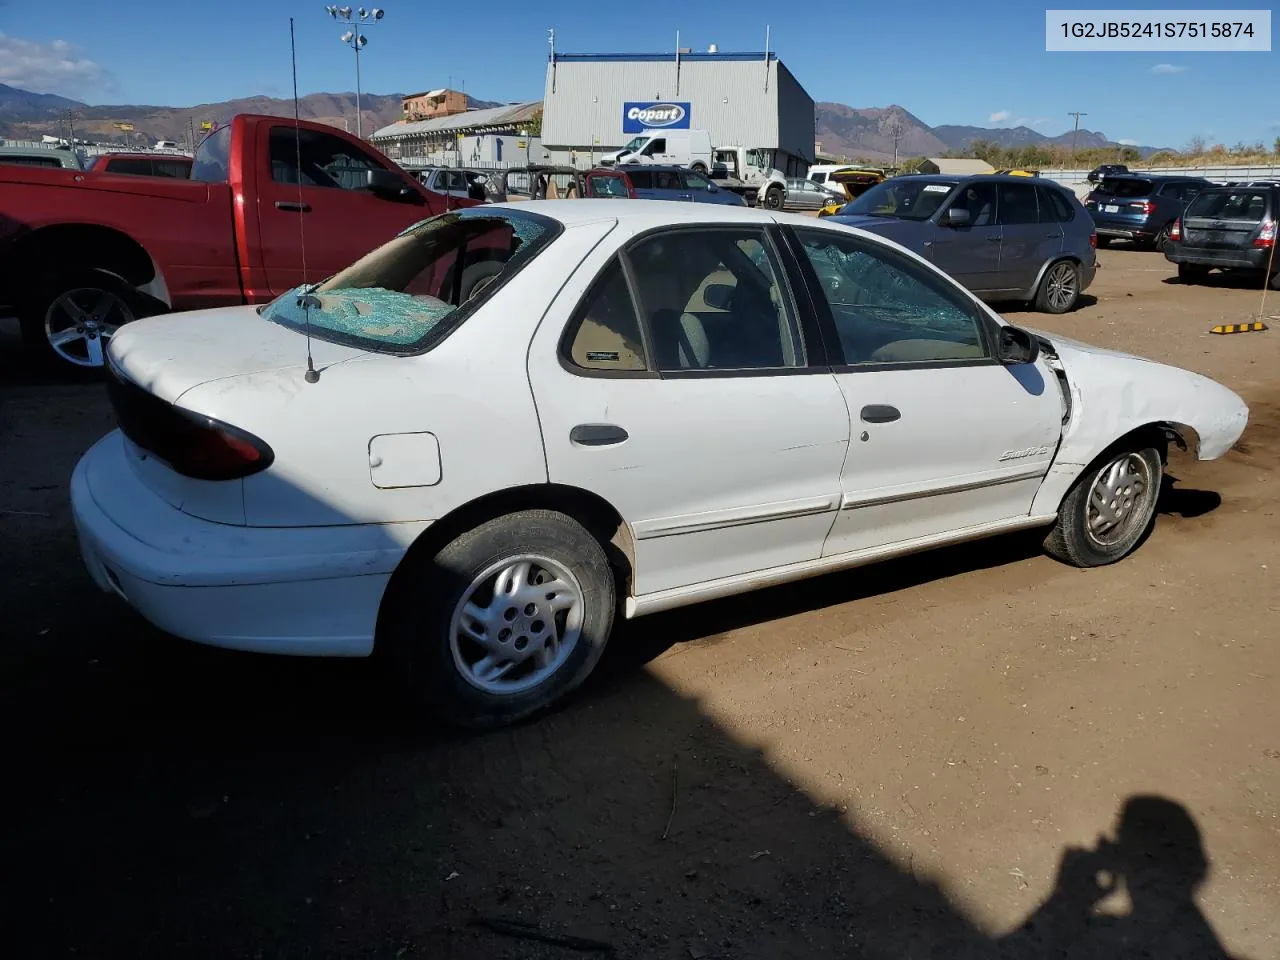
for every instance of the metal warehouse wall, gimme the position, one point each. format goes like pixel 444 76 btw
pixel 726 92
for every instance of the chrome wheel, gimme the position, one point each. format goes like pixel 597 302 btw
pixel 80 321
pixel 1061 285
pixel 1120 500
pixel 516 624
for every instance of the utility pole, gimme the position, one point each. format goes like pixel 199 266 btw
pixel 71 128
pixel 895 131
pixel 1077 114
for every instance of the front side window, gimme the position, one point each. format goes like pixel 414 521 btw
pixel 657 145
pixel 697 181
pixel 1017 204
pixel 318 160
pixel 713 300
pixel 888 309
pixel 407 294
pixel 818 177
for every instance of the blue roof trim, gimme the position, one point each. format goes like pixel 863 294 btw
pixel 655 57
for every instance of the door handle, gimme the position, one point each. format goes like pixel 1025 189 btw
pixel 293 205
pixel 597 434
pixel 880 413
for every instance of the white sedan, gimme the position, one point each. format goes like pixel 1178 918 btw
pixel 519 424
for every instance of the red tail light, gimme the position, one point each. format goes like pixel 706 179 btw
pixel 1145 207
pixel 1093 239
pixel 193 445
pixel 1267 237
pixel 1175 232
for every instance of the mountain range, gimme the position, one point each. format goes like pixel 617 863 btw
pixel 865 132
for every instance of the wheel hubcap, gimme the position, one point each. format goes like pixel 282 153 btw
pixel 79 323
pixel 1062 286
pixel 1119 500
pixel 516 624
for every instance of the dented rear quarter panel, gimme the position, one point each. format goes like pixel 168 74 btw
pixel 1113 394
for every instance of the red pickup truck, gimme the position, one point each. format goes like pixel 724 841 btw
pixel 83 252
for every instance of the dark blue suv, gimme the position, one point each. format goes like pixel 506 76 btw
pixel 1140 208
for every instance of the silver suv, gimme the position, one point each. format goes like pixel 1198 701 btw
pixel 1005 238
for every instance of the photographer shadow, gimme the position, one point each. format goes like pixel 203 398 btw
pixel 1159 861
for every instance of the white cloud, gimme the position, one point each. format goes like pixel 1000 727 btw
pixel 1127 142
pixel 1000 116
pixel 1168 68
pixel 1039 120
pixel 53 67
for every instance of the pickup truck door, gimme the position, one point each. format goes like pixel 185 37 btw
pixel 332 212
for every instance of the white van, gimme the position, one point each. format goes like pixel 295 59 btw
pixel 684 148
pixel 821 175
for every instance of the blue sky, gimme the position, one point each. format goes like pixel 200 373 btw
pixel 980 63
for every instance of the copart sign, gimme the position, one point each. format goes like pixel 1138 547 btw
pixel 654 115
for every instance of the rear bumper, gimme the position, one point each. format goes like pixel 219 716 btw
pixel 1126 229
pixel 311 591
pixel 1244 258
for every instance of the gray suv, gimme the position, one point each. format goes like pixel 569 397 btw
pixel 1005 238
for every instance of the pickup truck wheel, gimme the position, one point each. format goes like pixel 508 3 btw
pixel 1059 289
pixel 699 167
pixel 1110 508
pixel 1192 273
pixel 504 621
pixel 70 319
pixel 773 198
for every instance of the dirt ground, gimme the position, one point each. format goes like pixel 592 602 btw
pixel 890 762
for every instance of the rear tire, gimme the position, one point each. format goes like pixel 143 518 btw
pixel 69 317
pixel 1110 508
pixel 1059 288
pixel 1274 283
pixel 1192 273
pixel 502 622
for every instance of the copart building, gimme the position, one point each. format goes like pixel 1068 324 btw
pixel 594 103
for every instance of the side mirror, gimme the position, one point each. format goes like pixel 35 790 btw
pixel 718 296
pixel 956 217
pixel 1016 346
pixel 712 188
pixel 384 183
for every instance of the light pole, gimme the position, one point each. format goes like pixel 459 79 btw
pixel 1077 114
pixel 356 41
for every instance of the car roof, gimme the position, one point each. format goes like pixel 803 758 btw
pixel 665 167
pixel 579 211
pixel 140 156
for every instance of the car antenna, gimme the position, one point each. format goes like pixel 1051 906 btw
pixel 308 299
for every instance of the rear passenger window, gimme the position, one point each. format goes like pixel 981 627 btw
pixel 1017 204
pixel 712 300
pixel 1054 207
pixel 667 180
pixel 604 333
pixel 641 179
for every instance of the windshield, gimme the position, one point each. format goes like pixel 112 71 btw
pixel 902 199
pixel 406 295
pixel 634 144
pixel 1125 187
pixel 1247 205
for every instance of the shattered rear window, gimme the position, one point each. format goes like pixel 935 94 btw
pixel 408 294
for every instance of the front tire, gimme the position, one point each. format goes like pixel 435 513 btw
pixel 504 621
pixel 699 168
pixel 773 198
pixel 1059 288
pixel 1110 508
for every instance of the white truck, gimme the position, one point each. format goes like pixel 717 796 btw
pixel 749 172
pixel 684 148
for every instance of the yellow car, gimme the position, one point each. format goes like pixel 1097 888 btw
pixel 1017 173
pixel 854 183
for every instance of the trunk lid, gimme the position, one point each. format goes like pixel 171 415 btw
pixel 169 355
